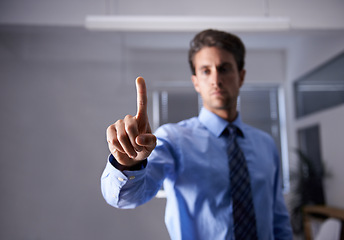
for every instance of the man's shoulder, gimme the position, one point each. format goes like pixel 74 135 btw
pixel 256 133
pixel 179 127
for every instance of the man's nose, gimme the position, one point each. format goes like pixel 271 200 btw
pixel 216 79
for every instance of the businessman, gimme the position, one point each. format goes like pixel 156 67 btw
pixel 221 176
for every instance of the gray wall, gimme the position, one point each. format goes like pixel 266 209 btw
pixel 54 112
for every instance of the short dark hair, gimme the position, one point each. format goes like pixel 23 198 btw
pixel 220 39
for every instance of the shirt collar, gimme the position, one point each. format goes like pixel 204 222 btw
pixel 216 124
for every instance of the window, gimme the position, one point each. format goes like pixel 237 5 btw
pixel 321 89
pixel 174 105
pixel 263 107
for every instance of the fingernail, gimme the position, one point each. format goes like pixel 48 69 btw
pixel 138 149
pixel 140 139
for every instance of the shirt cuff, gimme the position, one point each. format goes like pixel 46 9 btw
pixel 139 166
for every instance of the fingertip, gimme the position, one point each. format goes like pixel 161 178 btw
pixel 141 98
pixel 145 139
pixel 139 140
pixel 140 86
pixel 139 79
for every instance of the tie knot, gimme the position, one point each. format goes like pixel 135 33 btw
pixel 232 131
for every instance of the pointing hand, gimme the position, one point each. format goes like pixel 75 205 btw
pixel 130 139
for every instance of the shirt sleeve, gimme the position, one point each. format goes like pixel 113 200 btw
pixel 282 227
pixel 139 166
pixel 114 182
pixel 129 189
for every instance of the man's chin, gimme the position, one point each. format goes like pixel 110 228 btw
pixel 220 104
pixel 220 107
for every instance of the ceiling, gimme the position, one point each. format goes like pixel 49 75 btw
pixel 46 29
pixel 305 18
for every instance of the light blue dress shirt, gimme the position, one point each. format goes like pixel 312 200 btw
pixel 191 162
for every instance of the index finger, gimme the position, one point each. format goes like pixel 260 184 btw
pixel 141 98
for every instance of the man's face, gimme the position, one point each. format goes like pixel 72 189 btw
pixel 217 79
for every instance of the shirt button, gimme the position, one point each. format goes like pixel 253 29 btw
pixel 132 177
pixel 121 179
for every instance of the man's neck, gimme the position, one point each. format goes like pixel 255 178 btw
pixel 227 114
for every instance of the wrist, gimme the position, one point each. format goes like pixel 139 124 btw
pixel 136 167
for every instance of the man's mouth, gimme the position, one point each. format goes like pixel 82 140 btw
pixel 217 93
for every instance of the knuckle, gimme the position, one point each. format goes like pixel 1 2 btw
pixel 110 128
pixel 130 128
pixel 112 141
pixel 110 134
pixel 128 117
pixel 122 137
pixel 118 123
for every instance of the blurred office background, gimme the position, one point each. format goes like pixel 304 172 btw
pixel 62 84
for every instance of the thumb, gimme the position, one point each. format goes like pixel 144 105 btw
pixel 147 140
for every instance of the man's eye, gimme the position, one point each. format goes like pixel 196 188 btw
pixel 206 72
pixel 224 69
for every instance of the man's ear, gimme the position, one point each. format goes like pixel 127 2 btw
pixel 195 82
pixel 242 77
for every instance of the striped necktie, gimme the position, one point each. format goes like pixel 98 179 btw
pixel 243 209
